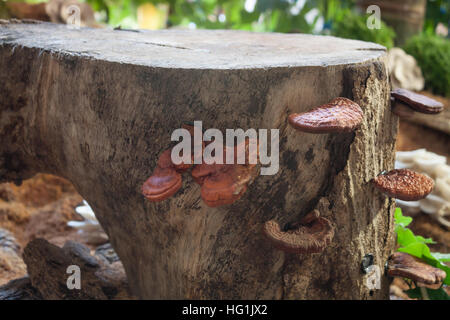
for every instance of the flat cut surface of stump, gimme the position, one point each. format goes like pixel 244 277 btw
pixel 99 106
pixel 199 49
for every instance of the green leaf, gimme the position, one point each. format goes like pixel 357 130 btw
pixel 405 236
pixel 433 294
pixel 400 219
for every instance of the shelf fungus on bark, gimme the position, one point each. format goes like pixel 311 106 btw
pixel 163 183
pixel 408 99
pixel 166 178
pixel 339 115
pixel 223 184
pixel 403 265
pixel 404 184
pixel 312 234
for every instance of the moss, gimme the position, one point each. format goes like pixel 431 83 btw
pixel 433 56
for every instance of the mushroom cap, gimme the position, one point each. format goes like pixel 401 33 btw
pixel 224 197
pixel 404 265
pixel 339 115
pixel 417 101
pixel 404 184
pixel 201 171
pixel 226 185
pixel 163 183
pixel 165 161
pixel 309 238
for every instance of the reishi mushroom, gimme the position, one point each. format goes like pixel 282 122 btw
pixel 339 115
pixel 403 265
pixel 224 183
pixel 312 234
pixel 162 184
pixel 166 178
pixel 415 101
pixel 404 184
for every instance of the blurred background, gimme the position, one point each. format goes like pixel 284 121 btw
pixel 419 27
pixel 416 32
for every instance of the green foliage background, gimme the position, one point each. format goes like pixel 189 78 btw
pixel 433 56
pixel 417 246
pixel 330 17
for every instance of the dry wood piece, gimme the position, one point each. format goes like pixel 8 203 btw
pixel 19 289
pixel 404 265
pixel 312 235
pixel 47 267
pixel 22 10
pixel 417 101
pixel 404 184
pixel 339 115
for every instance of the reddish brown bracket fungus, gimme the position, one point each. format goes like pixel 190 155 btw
pixel 224 183
pixel 418 102
pixel 404 184
pixel 403 265
pixel 166 179
pixel 311 235
pixel 339 115
pixel 163 183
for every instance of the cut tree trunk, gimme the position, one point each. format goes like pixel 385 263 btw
pixel 99 106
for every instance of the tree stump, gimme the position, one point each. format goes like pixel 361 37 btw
pixel 99 106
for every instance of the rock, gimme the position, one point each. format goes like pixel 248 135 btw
pixel 47 267
pixel 19 289
pixel 107 253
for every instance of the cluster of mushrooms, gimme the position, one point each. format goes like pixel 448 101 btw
pixel 220 183
pixel 225 183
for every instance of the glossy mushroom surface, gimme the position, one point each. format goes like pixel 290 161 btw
pixel 311 235
pixel 224 183
pixel 403 265
pixel 417 101
pixel 404 184
pixel 162 184
pixel 339 115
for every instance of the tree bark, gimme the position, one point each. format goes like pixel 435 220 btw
pixel 98 107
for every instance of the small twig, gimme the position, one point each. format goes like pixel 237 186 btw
pixel 119 28
pixel 424 293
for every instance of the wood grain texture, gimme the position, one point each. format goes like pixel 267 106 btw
pixel 99 106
